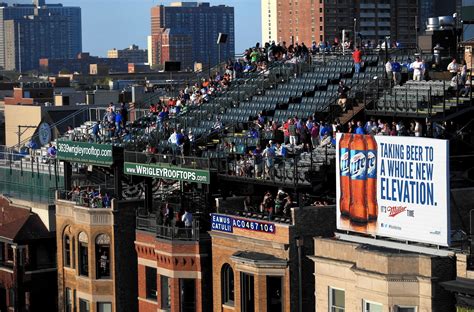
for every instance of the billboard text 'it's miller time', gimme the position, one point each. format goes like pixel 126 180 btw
pixel 394 187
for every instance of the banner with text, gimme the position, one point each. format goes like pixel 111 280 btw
pixel 167 171
pixel 82 152
pixel 393 186
pixel 224 223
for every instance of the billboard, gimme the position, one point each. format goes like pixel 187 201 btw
pixel 83 152
pixel 392 186
pixel 167 171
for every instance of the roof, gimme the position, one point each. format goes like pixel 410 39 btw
pixel 19 224
pixel 460 285
pixel 467 42
pixel 258 259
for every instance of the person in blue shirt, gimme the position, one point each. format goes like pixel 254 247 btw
pixel 162 116
pixel 118 123
pixel 325 130
pixel 95 131
pixel 254 133
pixel 397 72
pixel 359 129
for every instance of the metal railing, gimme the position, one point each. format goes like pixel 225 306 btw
pixel 175 160
pixel 169 232
pixel 292 170
pixel 82 198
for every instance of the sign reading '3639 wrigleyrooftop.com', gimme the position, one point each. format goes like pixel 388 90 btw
pixel 83 152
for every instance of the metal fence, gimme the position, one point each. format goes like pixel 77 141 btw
pixel 171 232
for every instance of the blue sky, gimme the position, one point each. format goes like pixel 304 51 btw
pixel 108 24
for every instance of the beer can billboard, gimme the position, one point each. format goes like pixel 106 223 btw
pixel 396 187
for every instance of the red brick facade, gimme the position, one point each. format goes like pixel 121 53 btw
pixel 175 260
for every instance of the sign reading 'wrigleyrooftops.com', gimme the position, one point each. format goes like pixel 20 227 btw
pixel 81 152
pixel 166 171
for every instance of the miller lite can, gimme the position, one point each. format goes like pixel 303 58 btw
pixel 344 173
pixel 371 188
pixel 358 179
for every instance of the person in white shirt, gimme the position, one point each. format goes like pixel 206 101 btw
pixel 388 69
pixel 417 129
pixel 453 67
pixel 187 218
pixel 417 69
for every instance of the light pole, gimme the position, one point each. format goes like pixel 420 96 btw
pixel 355 37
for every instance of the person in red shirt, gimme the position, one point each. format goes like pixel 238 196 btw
pixel 357 57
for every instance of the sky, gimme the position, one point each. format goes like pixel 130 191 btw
pixel 108 24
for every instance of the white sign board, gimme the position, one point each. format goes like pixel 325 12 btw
pixel 393 186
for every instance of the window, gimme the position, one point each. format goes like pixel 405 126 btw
pixel 68 300
pixel 150 276
pixel 165 292
pixel 247 299
pixel 405 309
pixel 67 251
pixel 104 307
pixel 83 254
pixel 187 290
pixel 102 255
pixel 11 297
pixel 227 284
pixel 372 306
pixel 337 301
pixel 9 256
pixel 84 305
pixel 274 294
pixel 2 252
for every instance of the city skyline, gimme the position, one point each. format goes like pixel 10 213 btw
pixel 99 35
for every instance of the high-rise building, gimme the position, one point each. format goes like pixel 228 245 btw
pixel 308 21
pixel 31 32
pixel 187 32
pixel 132 54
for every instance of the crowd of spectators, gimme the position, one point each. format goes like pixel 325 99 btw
pixel 89 197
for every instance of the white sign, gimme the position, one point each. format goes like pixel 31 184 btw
pixel 392 186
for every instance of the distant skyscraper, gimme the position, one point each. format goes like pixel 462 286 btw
pixel 307 21
pixel 188 31
pixel 31 32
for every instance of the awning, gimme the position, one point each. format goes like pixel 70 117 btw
pixel 258 260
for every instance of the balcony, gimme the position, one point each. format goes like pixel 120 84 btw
pixel 83 211
pixel 152 224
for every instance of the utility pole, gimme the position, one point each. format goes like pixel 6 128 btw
pixel 19 48
pixel 20 133
pixel 355 36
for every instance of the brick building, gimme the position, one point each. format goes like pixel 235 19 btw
pixel 188 32
pixel 255 262
pixel 81 64
pixel 27 260
pixel 96 256
pixel 305 21
pixel 132 54
pixel 31 93
pixel 364 277
pixel 174 262
pixel 463 285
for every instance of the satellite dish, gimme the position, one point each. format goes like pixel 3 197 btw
pixel 44 133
